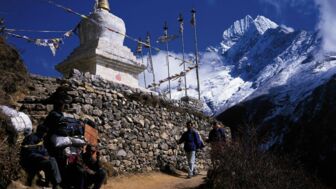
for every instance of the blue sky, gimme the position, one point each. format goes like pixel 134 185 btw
pixel 141 16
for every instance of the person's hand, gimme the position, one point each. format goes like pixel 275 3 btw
pixel 46 157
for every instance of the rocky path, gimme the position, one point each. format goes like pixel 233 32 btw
pixel 154 181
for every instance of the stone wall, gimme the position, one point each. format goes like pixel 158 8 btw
pixel 34 103
pixel 138 130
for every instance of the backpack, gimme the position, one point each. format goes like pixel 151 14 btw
pixel 199 140
pixel 222 132
pixel 70 127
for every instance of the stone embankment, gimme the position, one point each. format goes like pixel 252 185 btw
pixel 138 130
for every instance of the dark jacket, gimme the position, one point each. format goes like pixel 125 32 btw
pixel 52 121
pixel 191 140
pixel 216 135
pixel 32 150
pixel 90 162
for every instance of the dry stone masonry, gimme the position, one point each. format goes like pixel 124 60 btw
pixel 138 130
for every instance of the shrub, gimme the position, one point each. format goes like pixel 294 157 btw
pixel 243 165
pixel 9 157
pixel 14 76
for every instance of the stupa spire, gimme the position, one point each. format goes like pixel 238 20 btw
pixel 103 4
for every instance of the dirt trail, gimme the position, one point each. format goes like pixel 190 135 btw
pixel 155 180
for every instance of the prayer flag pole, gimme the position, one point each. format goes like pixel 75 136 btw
pixel 180 20
pixel 148 45
pixel 165 30
pixel 193 23
pixel 139 51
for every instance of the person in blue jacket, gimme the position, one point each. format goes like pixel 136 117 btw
pixel 192 142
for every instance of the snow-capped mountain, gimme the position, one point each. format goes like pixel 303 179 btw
pixel 280 81
pixel 243 27
pixel 258 57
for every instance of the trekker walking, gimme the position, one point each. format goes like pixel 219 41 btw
pixel 217 134
pixel 192 142
pixel 217 140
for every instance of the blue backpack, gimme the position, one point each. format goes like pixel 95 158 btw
pixel 70 127
pixel 199 141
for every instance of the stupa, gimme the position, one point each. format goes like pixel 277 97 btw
pixel 101 51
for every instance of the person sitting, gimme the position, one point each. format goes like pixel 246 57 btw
pixel 34 157
pixel 95 174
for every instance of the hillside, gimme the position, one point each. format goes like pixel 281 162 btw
pixel 14 76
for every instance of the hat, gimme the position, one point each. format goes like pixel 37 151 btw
pixel 189 122
pixel 63 98
pixel 214 122
pixel 60 96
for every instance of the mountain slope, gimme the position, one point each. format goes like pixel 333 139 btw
pixel 286 90
pixel 257 55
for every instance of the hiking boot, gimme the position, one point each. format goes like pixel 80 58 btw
pixel 189 177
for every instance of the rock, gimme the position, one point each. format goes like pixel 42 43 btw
pixel 105 158
pixel 121 153
pixel 88 100
pixel 49 108
pixel 144 145
pixel 76 108
pixel 72 93
pixel 129 119
pixel 121 96
pixel 116 163
pixel 164 135
pixel 75 73
pixel 107 127
pixel 97 112
pixel 127 162
pixel 112 147
pixel 97 103
pixel 164 146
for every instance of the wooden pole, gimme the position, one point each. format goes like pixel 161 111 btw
pixel 144 73
pixel 193 23
pixel 148 41
pixel 165 30
pixel 139 51
pixel 180 19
